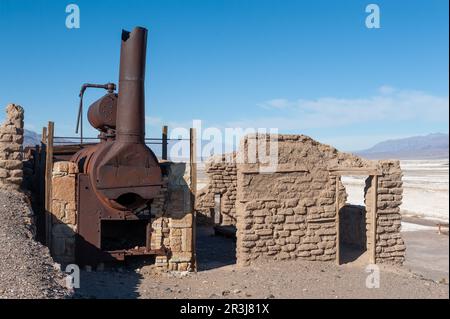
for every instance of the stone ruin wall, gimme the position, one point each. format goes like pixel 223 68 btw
pixel 63 212
pixel 172 222
pixel 291 214
pixel 12 167
pixel 390 246
pixel 222 181
pixel 11 150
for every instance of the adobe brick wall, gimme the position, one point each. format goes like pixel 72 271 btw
pixel 390 246
pixel 222 181
pixel 291 213
pixel 11 139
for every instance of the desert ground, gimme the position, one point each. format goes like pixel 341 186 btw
pixel 219 277
pixel 424 274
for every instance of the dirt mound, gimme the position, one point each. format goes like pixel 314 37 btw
pixel 26 268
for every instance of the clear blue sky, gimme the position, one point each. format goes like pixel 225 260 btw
pixel 308 67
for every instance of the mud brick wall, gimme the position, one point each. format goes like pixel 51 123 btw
pixel 222 181
pixel 291 213
pixel 63 210
pixel 11 139
pixel 171 221
pixel 390 247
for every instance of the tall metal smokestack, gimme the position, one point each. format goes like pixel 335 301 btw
pixel 130 124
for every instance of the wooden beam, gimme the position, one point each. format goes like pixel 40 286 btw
pixel 217 209
pixel 193 186
pixel 338 244
pixel 165 130
pixel 374 219
pixel 362 171
pixel 48 183
pixel 280 168
pixel 44 135
pixel 356 169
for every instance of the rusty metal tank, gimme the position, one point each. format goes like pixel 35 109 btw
pixel 120 176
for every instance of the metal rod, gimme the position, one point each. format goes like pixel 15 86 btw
pixel 147 139
pixel 164 142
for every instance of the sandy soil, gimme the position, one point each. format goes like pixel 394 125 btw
pixel 219 277
pixel 427 252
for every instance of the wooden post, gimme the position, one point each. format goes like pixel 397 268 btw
pixel 48 183
pixel 193 171
pixel 41 178
pixel 217 209
pixel 338 244
pixel 44 135
pixel 164 142
pixel 42 158
pixel 374 219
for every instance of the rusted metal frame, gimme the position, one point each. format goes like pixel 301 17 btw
pixel 193 186
pixel 102 182
pixel 48 183
pixel 97 138
pixel 141 251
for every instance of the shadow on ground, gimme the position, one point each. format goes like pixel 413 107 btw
pixel 214 251
pixel 118 281
pixel 352 254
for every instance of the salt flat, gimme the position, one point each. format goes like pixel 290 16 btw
pixel 425 189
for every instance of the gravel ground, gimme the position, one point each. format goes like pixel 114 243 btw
pixel 26 268
pixel 219 277
pixel 28 271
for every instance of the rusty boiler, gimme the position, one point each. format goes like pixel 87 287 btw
pixel 120 176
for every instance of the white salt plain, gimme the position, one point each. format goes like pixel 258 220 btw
pixel 425 189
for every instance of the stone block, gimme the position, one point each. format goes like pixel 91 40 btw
pixel 63 188
pixel 264 232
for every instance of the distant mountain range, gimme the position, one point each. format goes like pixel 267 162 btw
pixel 431 146
pixel 31 138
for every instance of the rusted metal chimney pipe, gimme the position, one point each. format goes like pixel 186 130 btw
pixel 130 124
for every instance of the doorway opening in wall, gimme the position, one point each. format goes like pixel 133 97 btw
pixel 353 221
pixel 356 214
pixel 215 243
